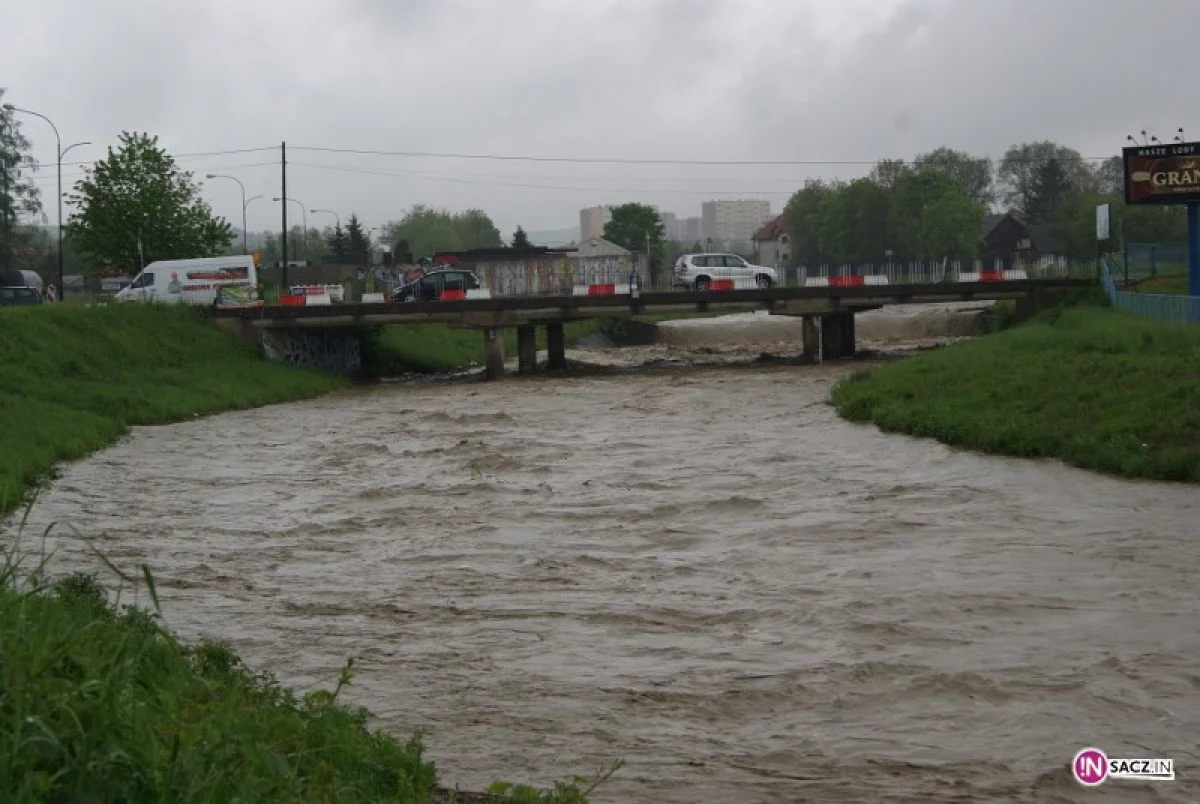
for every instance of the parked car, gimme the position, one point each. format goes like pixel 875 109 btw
pixel 699 270
pixel 431 286
pixel 20 295
pixel 21 288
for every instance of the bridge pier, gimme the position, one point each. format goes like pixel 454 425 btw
pixel 556 343
pixel 810 336
pixel 527 349
pixel 493 345
pixel 837 335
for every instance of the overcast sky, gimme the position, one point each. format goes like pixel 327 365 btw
pixel 708 80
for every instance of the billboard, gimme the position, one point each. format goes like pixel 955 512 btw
pixel 1162 174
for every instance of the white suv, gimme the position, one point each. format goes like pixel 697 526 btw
pixel 700 270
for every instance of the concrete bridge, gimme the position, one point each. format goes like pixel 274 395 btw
pixel 327 336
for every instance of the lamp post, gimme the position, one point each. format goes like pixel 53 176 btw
pixel 329 212
pixel 62 290
pixel 245 233
pixel 304 214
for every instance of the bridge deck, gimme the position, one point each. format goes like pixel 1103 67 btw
pixel 514 310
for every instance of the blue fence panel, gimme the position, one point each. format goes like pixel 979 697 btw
pixel 1159 307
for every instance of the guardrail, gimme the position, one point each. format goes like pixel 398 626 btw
pixel 564 277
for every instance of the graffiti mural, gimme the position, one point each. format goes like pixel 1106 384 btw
pixel 340 353
pixel 552 276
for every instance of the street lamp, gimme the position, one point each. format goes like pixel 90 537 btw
pixel 329 212
pixel 304 213
pixel 245 234
pixel 62 290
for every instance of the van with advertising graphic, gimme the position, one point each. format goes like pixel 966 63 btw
pixel 195 281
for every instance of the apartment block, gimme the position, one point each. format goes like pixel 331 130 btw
pixel 730 221
pixel 591 222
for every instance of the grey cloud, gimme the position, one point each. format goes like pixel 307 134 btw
pixel 699 79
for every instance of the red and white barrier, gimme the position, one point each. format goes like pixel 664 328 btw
pixel 334 292
pixel 845 281
pixel 479 293
pixel 317 300
pixel 739 283
pixel 1017 275
pixel 373 298
pixel 602 289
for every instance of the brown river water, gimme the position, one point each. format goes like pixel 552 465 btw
pixel 702 572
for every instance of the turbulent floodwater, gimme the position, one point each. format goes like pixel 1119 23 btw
pixel 704 573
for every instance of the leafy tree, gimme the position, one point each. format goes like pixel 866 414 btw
pixel 931 217
pixel 888 171
pixel 1110 177
pixel 637 227
pixel 520 240
pixel 339 244
pixel 1049 188
pixel 477 229
pixel 19 197
pixel 428 231
pixel 358 242
pixel 402 252
pixel 136 206
pixel 973 173
pixel 803 228
pixel 1021 165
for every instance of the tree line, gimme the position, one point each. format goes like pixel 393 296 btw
pixel 935 206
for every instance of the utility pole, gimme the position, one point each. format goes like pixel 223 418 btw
pixel 283 271
pixel 4 198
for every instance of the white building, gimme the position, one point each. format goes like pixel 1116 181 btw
pixel 592 220
pixel 734 221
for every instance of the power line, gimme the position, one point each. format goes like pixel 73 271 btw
pixel 621 161
pixel 46 180
pixel 437 178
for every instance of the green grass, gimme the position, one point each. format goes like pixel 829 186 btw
pixel 1167 285
pixel 100 702
pixel 72 380
pixel 1096 388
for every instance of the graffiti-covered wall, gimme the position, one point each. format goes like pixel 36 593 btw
pixel 552 276
pixel 326 350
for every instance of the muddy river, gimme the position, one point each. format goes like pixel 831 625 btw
pixel 702 572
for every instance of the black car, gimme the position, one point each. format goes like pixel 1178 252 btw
pixel 431 286
pixel 20 295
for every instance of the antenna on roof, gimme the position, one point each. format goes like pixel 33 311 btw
pixel 1179 136
pixel 1147 142
pixel 1155 139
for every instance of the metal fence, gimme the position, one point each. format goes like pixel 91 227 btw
pixel 1151 261
pixel 1172 309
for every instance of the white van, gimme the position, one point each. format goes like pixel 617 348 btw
pixel 190 281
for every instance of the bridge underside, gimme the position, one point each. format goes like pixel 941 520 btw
pixel 326 337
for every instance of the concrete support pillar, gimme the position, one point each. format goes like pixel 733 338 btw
pixel 833 330
pixel 848 335
pixel 493 345
pixel 556 344
pixel 527 348
pixel 811 337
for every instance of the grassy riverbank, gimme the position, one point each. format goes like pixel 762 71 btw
pixel 1096 388
pixel 73 380
pixel 100 702
pixel 103 703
